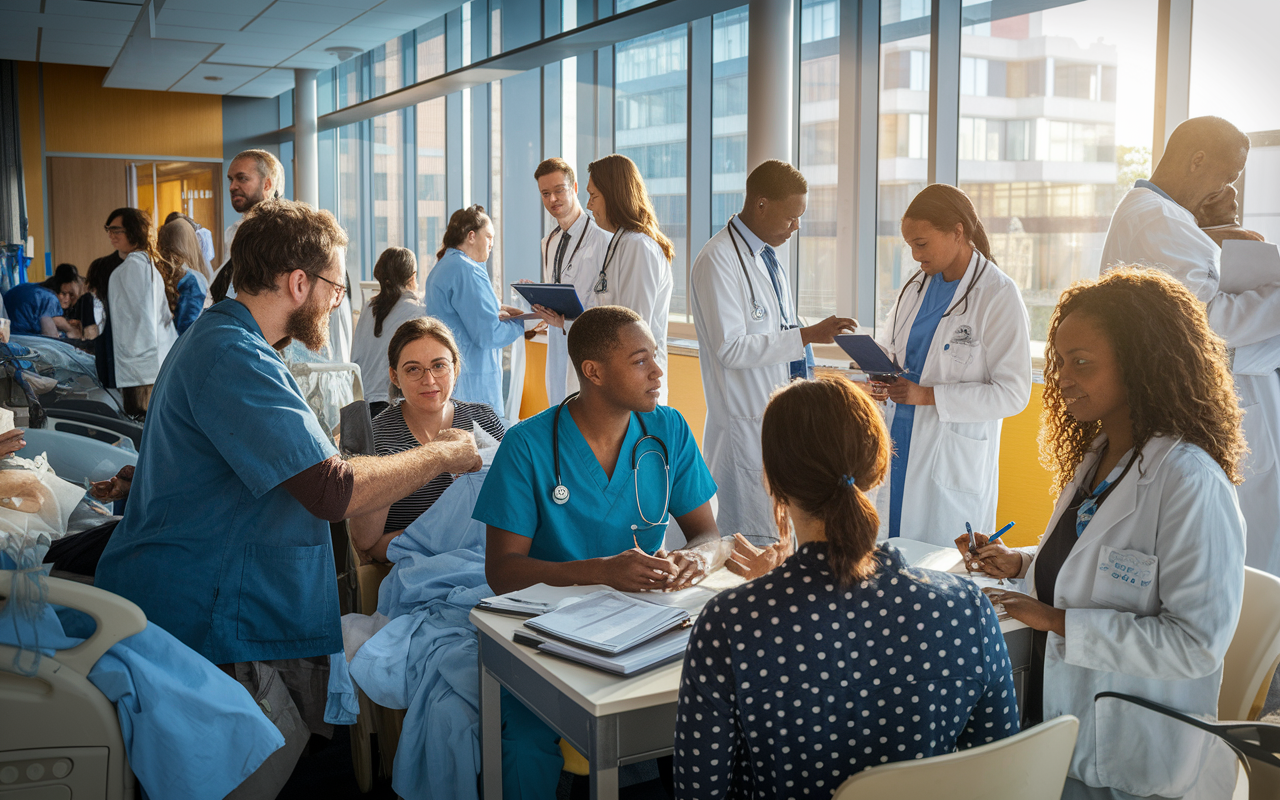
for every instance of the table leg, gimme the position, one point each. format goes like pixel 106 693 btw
pixel 604 759
pixel 491 734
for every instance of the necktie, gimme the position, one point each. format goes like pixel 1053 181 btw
pixel 560 249
pixel 802 367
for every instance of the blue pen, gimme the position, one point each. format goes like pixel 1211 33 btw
pixel 1001 532
pixel 973 543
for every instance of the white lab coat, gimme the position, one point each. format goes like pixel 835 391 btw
pixel 580 268
pixel 979 365
pixel 1150 229
pixel 141 322
pixel 228 237
pixel 340 331
pixel 742 361
pixel 1162 635
pixel 639 278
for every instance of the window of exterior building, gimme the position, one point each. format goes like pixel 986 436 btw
pixel 819 146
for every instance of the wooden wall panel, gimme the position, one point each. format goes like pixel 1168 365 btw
pixel 82 192
pixel 81 116
pixel 32 165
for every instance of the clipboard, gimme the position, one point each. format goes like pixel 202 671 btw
pixel 867 353
pixel 559 297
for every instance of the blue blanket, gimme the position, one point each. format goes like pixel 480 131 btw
pixel 189 730
pixel 425 659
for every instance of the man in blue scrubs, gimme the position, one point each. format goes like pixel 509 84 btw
pixel 612 507
pixel 225 541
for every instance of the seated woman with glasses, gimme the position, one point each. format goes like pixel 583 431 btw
pixel 424 366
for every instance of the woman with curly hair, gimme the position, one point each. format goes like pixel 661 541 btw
pixel 1137 583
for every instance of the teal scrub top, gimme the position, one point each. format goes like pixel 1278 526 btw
pixel 597 520
pixel 212 547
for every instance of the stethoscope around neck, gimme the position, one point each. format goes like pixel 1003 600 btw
pixel 560 494
pixel 558 271
pixel 757 310
pixel 918 278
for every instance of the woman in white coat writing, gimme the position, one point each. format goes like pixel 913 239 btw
pixel 636 272
pixel 1137 583
pixel 959 330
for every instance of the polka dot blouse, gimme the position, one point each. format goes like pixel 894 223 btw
pixel 792 684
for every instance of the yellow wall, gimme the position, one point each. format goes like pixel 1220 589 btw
pixel 1024 484
pixel 83 117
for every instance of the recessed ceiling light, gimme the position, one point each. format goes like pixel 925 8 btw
pixel 343 53
pixel 213 77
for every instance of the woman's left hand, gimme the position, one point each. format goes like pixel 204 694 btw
pixel 506 312
pixel 1030 611
pixel 907 393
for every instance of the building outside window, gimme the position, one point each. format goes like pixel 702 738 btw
pixel 650 117
pixel 819 145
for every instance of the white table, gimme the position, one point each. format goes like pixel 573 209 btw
pixel 614 721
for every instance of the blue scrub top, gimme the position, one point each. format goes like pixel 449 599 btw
pixel 26 303
pixel 597 520
pixel 458 292
pixel 212 547
pixel 937 298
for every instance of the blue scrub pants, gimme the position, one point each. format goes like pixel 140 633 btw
pixel 531 758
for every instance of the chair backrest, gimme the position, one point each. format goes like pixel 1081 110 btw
pixel 1254 653
pixel 1031 765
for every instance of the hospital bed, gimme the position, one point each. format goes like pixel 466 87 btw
pixel 61 736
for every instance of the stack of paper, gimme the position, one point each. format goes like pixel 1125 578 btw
pixel 664 649
pixel 537 599
pixel 609 621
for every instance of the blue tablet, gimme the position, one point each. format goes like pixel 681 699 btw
pixel 559 297
pixel 868 354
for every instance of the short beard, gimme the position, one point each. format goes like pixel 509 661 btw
pixel 309 324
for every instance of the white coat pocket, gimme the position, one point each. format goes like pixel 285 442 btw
pixel 1126 580
pixel 1146 753
pixel 960 461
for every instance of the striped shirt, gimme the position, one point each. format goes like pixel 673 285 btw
pixel 391 434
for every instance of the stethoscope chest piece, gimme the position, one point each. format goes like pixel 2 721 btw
pixel 560 494
pixel 757 312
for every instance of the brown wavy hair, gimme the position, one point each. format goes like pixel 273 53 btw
pixel 1176 375
pixel 626 200
pixel 142 235
pixel 825 445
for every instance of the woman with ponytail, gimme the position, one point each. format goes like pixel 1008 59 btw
pixel 396 303
pixel 459 293
pixel 959 333
pixel 865 649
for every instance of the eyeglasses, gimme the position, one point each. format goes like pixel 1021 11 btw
pixel 113 229
pixel 438 370
pixel 342 288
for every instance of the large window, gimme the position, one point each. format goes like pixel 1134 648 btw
pixel 728 114
pixel 903 146
pixel 652 77
pixel 1040 149
pixel 819 145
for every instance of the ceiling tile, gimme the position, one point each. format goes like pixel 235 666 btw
pixel 395 23
pixel 418 8
pixel 75 53
pixel 146 63
pixel 250 7
pixel 308 12
pixel 117 9
pixel 309 60
pixel 18 48
pixel 291 27
pixel 357 5
pixel 356 36
pixel 29 6
pixel 242 38
pixel 202 19
pixel 232 77
pixel 271 83
pixel 249 56
pixel 113 40
pixel 68 22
